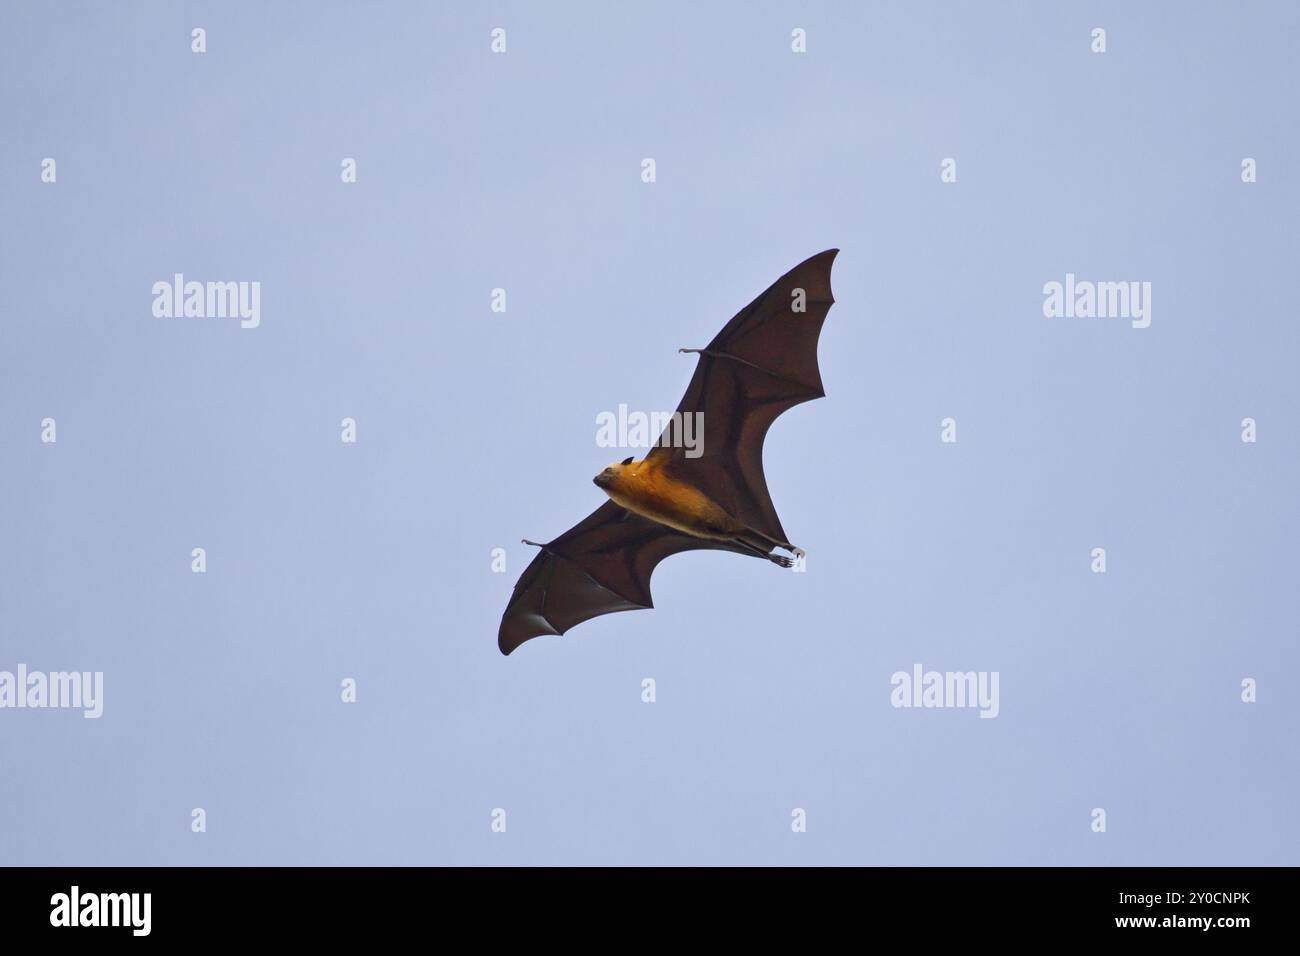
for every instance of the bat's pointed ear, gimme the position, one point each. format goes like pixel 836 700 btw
pixel 628 461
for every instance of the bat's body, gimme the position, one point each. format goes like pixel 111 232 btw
pixel 649 489
pixel 763 362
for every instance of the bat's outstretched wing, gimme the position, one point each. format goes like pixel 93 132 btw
pixel 763 362
pixel 600 565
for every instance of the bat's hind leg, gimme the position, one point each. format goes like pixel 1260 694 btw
pixel 771 541
pixel 778 559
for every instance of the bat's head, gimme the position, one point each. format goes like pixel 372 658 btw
pixel 612 474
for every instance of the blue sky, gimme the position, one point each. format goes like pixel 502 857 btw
pixel 372 560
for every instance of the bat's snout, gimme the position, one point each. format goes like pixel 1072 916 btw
pixel 602 480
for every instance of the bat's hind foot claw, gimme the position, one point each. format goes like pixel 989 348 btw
pixel 781 560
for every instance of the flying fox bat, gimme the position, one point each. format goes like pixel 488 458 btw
pixel 763 362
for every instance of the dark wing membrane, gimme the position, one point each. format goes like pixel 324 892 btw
pixel 600 565
pixel 763 362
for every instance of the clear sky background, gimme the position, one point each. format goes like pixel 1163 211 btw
pixel 373 561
